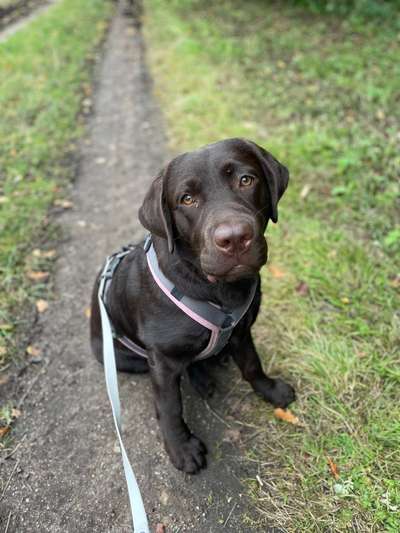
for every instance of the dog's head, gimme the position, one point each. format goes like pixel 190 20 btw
pixel 213 205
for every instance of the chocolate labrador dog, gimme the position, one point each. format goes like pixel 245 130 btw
pixel 207 212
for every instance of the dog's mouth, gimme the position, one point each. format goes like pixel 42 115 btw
pixel 235 273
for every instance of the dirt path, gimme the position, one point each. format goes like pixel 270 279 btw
pixel 32 12
pixel 66 475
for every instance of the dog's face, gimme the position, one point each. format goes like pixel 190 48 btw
pixel 214 204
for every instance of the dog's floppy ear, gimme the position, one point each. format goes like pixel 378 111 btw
pixel 154 213
pixel 276 176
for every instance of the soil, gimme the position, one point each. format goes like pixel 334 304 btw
pixel 20 12
pixel 66 473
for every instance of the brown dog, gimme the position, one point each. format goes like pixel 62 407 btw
pixel 207 212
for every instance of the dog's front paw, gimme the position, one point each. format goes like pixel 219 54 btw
pixel 189 455
pixel 280 394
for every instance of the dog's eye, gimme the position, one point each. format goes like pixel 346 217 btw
pixel 187 199
pixel 246 181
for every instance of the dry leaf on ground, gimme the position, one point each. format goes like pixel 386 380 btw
pixel 42 306
pixel 395 282
pixel 4 430
pixel 15 413
pixel 333 468
pixel 33 351
pixel 276 272
pixel 45 254
pixel 4 379
pixel 37 275
pixel 305 191
pixel 65 204
pixel 302 288
pixel 286 415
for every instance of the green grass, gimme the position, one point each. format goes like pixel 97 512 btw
pixel 45 69
pixel 358 10
pixel 323 96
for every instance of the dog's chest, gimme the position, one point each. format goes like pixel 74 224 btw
pixel 176 334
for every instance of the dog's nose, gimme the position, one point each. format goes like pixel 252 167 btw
pixel 233 238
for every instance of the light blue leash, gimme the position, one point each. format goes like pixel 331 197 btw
pixel 140 523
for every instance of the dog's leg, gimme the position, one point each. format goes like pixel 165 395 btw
pixel 186 451
pixel 275 391
pixel 201 379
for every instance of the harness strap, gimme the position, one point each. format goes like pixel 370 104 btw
pixel 140 523
pixel 220 322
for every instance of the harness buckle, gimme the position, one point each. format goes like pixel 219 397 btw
pixel 228 322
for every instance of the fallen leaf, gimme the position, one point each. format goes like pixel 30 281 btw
pixel 160 528
pixel 6 327
pixel 65 204
pixel 333 468
pixel 88 312
pixel 4 379
pixel 3 350
pixel 46 254
pixel 87 89
pixel 395 282
pixel 276 272
pixel 42 306
pixel 4 430
pixel 15 413
pixel 286 415
pixel 305 191
pixel 302 288
pixel 33 351
pixel 37 275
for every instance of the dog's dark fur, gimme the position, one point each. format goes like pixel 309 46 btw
pixel 211 245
